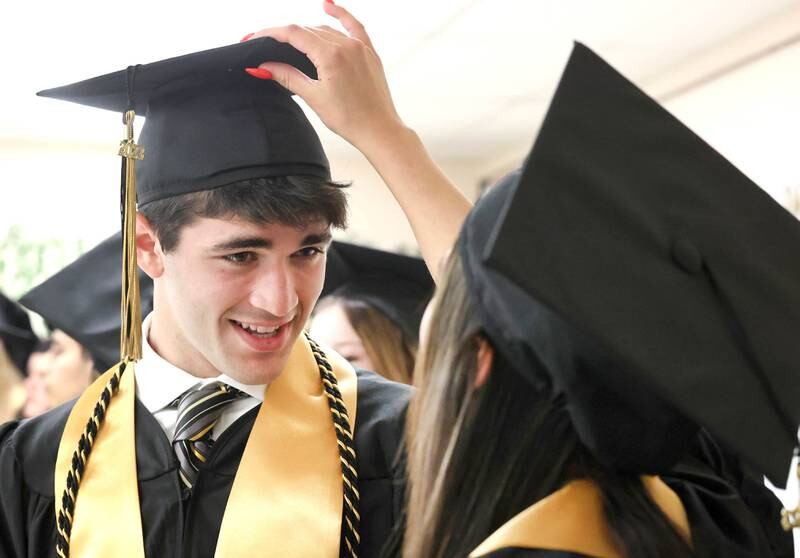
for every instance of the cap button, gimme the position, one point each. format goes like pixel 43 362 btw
pixel 687 256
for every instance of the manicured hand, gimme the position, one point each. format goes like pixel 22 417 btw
pixel 350 95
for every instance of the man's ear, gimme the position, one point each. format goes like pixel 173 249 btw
pixel 148 250
pixel 485 361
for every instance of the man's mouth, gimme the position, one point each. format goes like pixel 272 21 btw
pixel 262 331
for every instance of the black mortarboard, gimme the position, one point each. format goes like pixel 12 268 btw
pixel 83 300
pixel 397 285
pixel 644 267
pixel 16 333
pixel 208 123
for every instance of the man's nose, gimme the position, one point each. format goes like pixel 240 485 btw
pixel 274 292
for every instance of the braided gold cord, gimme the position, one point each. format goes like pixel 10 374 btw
pixel 79 458
pixel 347 454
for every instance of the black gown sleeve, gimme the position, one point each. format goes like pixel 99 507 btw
pixel 379 436
pixel 28 450
pixel 12 496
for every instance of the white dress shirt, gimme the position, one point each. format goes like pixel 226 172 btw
pixel 159 383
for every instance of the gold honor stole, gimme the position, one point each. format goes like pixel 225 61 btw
pixel 287 496
pixel 571 519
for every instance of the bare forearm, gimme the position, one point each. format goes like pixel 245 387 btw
pixel 434 207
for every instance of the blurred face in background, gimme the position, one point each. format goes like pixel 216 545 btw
pixel 71 369
pixel 37 401
pixel 364 335
pixel 331 327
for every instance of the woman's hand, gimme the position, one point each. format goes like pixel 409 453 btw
pixel 350 94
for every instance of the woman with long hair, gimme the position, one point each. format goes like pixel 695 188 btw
pixel 535 431
pixel 562 388
pixel 485 444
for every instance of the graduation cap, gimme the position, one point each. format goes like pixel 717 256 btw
pixel 208 124
pixel 16 333
pixel 397 285
pixel 83 300
pixel 629 265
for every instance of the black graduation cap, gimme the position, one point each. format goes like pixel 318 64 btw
pixel 16 333
pixel 83 300
pixel 208 123
pixel 397 285
pixel 636 266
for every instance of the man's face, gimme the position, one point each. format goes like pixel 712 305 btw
pixel 234 296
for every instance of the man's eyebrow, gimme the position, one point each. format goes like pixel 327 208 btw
pixel 317 238
pixel 242 243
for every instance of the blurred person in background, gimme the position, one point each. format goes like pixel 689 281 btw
pixel 72 369
pixel 83 314
pixel 370 309
pixel 36 400
pixel 16 343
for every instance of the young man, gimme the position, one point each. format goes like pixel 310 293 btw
pixel 232 439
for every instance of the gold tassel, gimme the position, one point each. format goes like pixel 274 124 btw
pixel 131 332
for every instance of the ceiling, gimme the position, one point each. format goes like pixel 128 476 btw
pixel 473 77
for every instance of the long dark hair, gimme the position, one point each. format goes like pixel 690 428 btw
pixel 479 456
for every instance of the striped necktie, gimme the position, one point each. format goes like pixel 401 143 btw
pixel 199 410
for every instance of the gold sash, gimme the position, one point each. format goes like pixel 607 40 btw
pixel 287 496
pixel 571 519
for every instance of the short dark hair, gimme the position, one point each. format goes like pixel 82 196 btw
pixel 289 200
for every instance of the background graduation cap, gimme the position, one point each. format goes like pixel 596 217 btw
pixel 83 300
pixel 397 285
pixel 651 262
pixel 16 333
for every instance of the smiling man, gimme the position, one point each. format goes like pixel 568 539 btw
pixel 237 435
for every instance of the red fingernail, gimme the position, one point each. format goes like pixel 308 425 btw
pixel 243 39
pixel 259 73
pixel 330 1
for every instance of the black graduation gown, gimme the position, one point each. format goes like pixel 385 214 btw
pixel 173 525
pixel 730 511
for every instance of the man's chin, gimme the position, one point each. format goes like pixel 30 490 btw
pixel 260 369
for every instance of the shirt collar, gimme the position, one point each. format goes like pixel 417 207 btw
pixel 159 383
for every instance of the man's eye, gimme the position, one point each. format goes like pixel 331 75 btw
pixel 308 252
pixel 239 257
